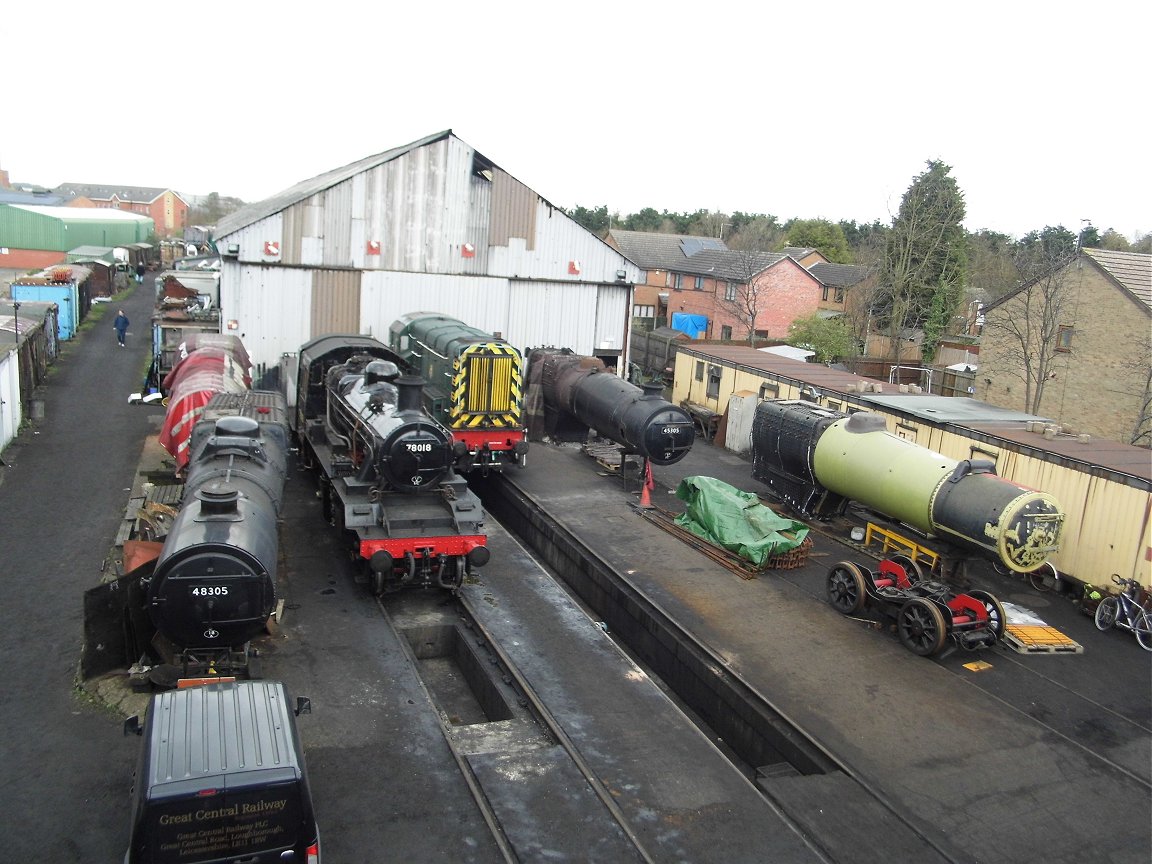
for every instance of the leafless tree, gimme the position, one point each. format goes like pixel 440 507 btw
pixel 1029 320
pixel 1142 428
pixel 746 294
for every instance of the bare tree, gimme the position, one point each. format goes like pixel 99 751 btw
pixel 1029 320
pixel 745 293
pixel 1142 428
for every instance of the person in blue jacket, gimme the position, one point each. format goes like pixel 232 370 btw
pixel 121 327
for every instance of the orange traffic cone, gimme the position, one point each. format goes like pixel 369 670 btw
pixel 649 484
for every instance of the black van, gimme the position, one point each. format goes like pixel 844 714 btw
pixel 221 778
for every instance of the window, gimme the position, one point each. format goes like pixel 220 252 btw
pixel 679 282
pixel 667 280
pixel 698 283
pixel 1064 338
pixel 729 291
pixel 714 373
pixel 839 295
pixel 699 370
pixel 725 332
pixel 639 311
pixel 824 296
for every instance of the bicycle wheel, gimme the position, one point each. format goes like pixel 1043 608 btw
pixel 1142 627
pixel 1106 612
pixel 1043 577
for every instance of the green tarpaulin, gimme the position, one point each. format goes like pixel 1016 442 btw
pixel 736 520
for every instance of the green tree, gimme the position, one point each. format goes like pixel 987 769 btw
pixel 925 260
pixel 1114 241
pixel 597 220
pixel 822 235
pixel 830 338
pixel 758 234
pixel 646 220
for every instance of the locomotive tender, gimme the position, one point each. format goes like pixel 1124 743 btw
pixel 573 394
pixel 385 466
pixel 817 460
pixel 473 385
pixel 213 586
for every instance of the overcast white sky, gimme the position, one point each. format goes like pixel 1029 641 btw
pixel 800 110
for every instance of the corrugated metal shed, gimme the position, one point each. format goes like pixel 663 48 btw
pixel 25 226
pixel 434 226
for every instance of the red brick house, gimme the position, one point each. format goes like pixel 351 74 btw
pixel 168 210
pixel 701 276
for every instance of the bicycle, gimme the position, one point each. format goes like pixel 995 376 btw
pixel 1121 610
pixel 1043 578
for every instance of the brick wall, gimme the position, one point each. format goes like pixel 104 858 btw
pixel 1097 387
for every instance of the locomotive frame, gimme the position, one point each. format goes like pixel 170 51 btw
pixel 385 467
pixel 818 460
pixel 473 385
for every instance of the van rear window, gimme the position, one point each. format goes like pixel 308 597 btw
pixel 225 825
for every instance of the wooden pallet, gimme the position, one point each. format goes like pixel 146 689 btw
pixel 1038 639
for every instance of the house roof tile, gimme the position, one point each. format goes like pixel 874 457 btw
pixel 1133 270
pixel 839 275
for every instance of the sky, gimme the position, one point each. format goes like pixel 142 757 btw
pixel 826 110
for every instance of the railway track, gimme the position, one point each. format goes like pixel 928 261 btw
pixel 527 779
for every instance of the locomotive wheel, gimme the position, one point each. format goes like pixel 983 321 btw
pixel 846 591
pixel 921 627
pixel 996 617
pixel 1044 577
pixel 912 568
pixel 1106 613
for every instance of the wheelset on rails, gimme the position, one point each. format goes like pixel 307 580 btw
pixel 926 614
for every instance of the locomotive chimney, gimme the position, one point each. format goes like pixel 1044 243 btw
pixel 652 390
pixel 408 393
pixel 237 426
pixel 218 499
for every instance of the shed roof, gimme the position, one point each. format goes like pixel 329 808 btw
pixel 82 214
pixel 253 213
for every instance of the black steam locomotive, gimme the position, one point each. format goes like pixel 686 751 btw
pixel 213 587
pixel 385 466
pixel 817 460
pixel 569 394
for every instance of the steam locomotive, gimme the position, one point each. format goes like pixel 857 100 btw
pixel 385 466
pixel 473 386
pixel 213 586
pixel 570 394
pixel 817 460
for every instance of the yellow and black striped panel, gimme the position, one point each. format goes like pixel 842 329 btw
pixel 487 387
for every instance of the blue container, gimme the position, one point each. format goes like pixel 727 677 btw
pixel 65 295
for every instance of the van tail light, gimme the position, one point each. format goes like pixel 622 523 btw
pixel 314 854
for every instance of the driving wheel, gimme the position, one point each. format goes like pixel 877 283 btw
pixel 846 590
pixel 921 627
